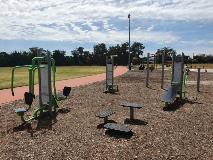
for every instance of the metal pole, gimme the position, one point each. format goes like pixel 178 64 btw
pixel 182 71
pixel 129 61
pixel 162 75
pixel 198 80
pixel 131 113
pixel 147 71
pixel 173 61
pixel 49 82
pixel 112 58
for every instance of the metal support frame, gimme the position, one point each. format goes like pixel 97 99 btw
pixel 110 88
pixel 198 80
pixel 162 73
pixel 147 71
pixel 131 113
pixel 178 82
pixel 39 63
pixel 173 61
pixel 129 59
pixel 106 119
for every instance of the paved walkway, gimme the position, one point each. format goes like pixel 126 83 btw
pixel 6 96
pixel 201 82
pixel 202 70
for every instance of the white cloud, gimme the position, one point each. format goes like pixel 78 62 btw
pixel 60 20
pixel 197 50
pixel 150 28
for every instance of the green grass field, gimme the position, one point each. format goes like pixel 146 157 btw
pixel 62 73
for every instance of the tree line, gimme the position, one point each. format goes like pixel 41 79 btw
pixel 97 57
pixel 78 56
pixel 196 59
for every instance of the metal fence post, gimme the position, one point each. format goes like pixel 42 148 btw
pixel 198 80
pixel 162 74
pixel 147 71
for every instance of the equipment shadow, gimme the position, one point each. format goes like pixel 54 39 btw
pixel 135 121
pixel 178 103
pixel 119 134
pixel 149 87
pixel 113 93
pixel 44 121
pixel 47 120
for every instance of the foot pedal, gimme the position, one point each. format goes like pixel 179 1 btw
pixel 20 111
pixel 117 127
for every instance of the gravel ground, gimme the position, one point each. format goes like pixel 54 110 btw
pixel 183 131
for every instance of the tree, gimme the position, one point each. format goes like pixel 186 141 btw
pixel 168 52
pixel 4 59
pixel 100 52
pixel 136 50
pixel 124 53
pixel 59 57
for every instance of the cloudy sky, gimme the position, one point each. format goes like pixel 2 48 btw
pixel 185 25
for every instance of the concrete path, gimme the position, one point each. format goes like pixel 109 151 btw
pixel 201 82
pixel 202 70
pixel 6 96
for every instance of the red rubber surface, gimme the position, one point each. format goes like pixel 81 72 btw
pixel 6 95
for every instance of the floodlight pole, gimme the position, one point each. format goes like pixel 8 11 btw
pixel 129 63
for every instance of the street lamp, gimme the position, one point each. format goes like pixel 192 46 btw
pixel 129 63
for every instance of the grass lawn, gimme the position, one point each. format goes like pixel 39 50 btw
pixel 68 72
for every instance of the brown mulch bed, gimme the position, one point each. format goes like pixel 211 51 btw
pixel 184 131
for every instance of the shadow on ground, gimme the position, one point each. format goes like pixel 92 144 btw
pixel 135 122
pixel 44 121
pixel 178 103
pixel 118 134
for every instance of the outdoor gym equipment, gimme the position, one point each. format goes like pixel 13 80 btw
pixel 149 68
pixel 110 87
pixel 198 80
pixel 131 106
pixel 178 83
pixel 162 73
pixel 105 113
pixel 118 127
pixel 47 90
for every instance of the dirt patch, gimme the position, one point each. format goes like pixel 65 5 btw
pixel 183 132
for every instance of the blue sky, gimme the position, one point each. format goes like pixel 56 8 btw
pixel 185 25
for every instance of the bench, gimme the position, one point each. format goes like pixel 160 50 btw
pixel 117 127
pixel 105 113
pixel 132 106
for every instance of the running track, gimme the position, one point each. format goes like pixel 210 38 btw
pixel 6 96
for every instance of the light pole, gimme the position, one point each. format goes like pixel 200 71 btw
pixel 129 63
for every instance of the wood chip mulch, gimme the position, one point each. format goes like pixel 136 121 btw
pixel 183 131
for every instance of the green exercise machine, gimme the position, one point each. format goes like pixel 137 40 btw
pixel 110 87
pixel 178 82
pixel 47 90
